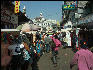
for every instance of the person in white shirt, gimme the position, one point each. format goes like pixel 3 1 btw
pixel 15 52
pixel 15 49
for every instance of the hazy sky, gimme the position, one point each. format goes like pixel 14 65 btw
pixel 50 9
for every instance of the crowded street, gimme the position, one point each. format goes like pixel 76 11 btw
pixel 46 35
pixel 64 56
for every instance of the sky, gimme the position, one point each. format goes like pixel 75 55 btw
pixel 49 9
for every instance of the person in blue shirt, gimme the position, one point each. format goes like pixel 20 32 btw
pixel 38 49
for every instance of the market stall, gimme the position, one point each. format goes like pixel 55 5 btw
pixel 6 36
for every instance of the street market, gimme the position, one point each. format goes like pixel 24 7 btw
pixel 43 43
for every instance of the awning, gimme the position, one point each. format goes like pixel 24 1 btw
pixel 6 30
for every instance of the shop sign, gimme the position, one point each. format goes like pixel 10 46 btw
pixel 71 3
pixel 68 7
pixel 17 4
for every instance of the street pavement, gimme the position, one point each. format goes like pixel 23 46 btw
pixel 63 60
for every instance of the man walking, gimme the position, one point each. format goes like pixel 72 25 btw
pixel 83 58
pixel 47 41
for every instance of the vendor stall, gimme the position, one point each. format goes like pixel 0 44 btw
pixel 6 36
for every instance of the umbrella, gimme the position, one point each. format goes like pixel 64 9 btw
pixel 26 28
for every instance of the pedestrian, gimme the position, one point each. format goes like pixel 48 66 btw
pixel 37 35
pixel 55 45
pixel 38 48
pixel 46 41
pixel 27 52
pixel 83 58
pixel 15 52
pixel 42 47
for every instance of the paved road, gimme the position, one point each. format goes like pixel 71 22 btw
pixel 64 57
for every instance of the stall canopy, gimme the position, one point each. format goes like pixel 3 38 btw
pixel 28 27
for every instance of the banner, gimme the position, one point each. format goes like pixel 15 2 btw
pixel 58 24
pixel 68 7
pixel 17 4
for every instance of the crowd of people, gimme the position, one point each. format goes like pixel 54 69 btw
pixel 25 53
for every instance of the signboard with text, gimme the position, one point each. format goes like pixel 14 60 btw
pixel 68 7
pixel 17 4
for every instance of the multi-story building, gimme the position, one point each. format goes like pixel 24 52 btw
pixel 9 19
pixel 81 17
pixel 43 23
pixel 86 19
pixel 75 14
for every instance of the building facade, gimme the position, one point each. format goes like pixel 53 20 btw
pixel 81 16
pixel 82 21
pixel 9 20
pixel 43 23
